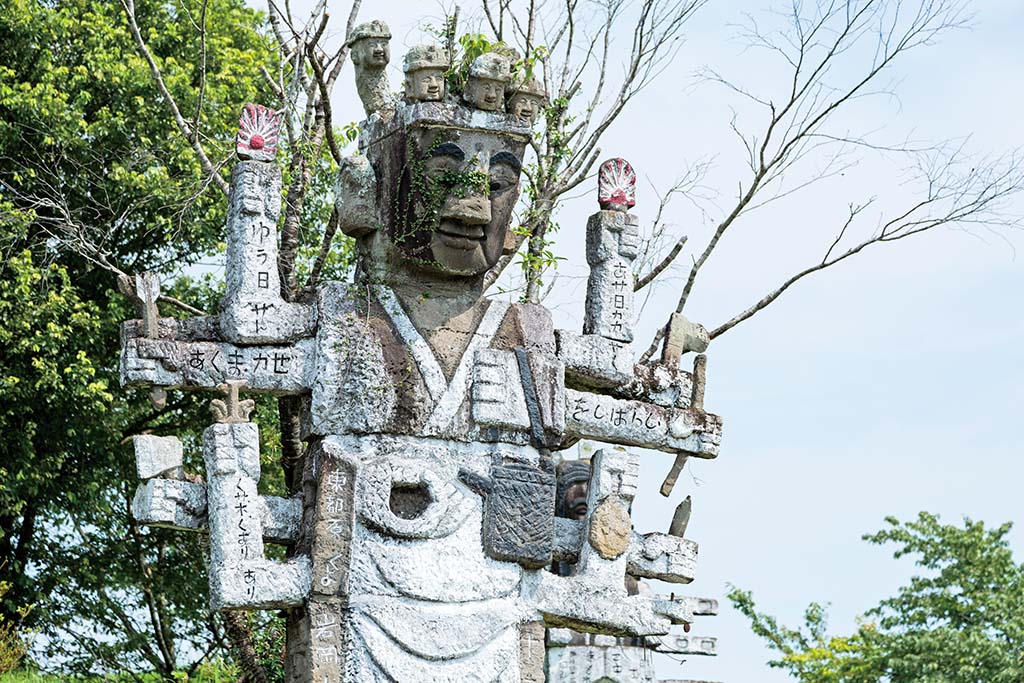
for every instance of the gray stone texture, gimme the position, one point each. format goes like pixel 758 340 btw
pixel 206 364
pixel 635 423
pixel 593 361
pixel 253 311
pixel 612 244
pixel 350 388
pixel 519 515
pixel 240 575
pixel 157 455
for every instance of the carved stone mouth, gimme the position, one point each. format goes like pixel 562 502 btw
pixel 459 236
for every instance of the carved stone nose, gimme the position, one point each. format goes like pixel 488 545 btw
pixel 473 210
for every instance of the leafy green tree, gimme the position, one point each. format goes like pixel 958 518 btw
pixel 961 622
pixel 93 178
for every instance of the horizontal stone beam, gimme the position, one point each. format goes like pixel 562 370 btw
pixel 181 505
pixel 636 423
pixel 178 364
pixel 684 644
pixel 649 556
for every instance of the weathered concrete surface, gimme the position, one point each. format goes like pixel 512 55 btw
pixel 594 361
pixel 157 455
pixel 636 423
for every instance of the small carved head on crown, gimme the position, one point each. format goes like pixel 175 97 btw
pixel 369 45
pixel 616 185
pixel 526 99
pixel 425 66
pixel 489 74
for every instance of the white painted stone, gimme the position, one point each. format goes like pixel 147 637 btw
pixel 635 423
pixel 594 361
pixel 612 243
pixel 204 364
pixel 498 399
pixel 685 644
pixel 352 391
pixel 253 311
pixel 180 504
pixel 156 455
pixel 240 575
pixel 600 664
pixel 659 384
pixel 170 503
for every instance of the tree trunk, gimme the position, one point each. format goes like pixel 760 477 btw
pixel 240 635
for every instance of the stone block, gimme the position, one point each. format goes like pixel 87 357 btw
pixel 156 455
pixel 684 644
pixel 497 391
pixel 352 391
pixel 612 241
pixel 170 503
pixel 594 361
pixel 663 557
pixel 659 384
pixel 636 423
pixel 519 515
pixel 203 364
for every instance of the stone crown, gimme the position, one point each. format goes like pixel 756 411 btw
pixel 371 29
pixel 491 66
pixel 426 57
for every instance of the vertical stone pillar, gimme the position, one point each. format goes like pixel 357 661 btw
pixel 240 575
pixel 612 243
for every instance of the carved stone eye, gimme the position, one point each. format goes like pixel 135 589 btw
pixel 409 501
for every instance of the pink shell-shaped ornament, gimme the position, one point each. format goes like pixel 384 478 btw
pixel 258 128
pixel 616 185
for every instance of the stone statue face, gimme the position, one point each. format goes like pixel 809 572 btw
pixel 426 85
pixel 374 53
pixel 484 93
pixel 458 191
pixel 525 107
pixel 575 500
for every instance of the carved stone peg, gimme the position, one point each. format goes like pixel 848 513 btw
pixel 144 290
pixel 519 515
pixel 681 518
pixel 683 336
pixel 233 410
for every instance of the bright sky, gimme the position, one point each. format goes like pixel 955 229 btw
pixel 887 385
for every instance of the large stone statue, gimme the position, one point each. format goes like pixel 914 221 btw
pixel 425 528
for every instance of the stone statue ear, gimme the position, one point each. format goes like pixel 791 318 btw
pixel 355 196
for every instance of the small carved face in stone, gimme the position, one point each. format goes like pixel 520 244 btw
pixel 461 187
pixel 484 93
pixel 425 85
pixel 525 107
pixel 372 52
pixel 575 501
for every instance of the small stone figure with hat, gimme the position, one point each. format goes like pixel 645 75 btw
pixel 371 52
pixel 424 73
pixel 526 99
pixel 485 87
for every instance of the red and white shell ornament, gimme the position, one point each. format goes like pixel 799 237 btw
pixel 616 185
pixel 258 128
